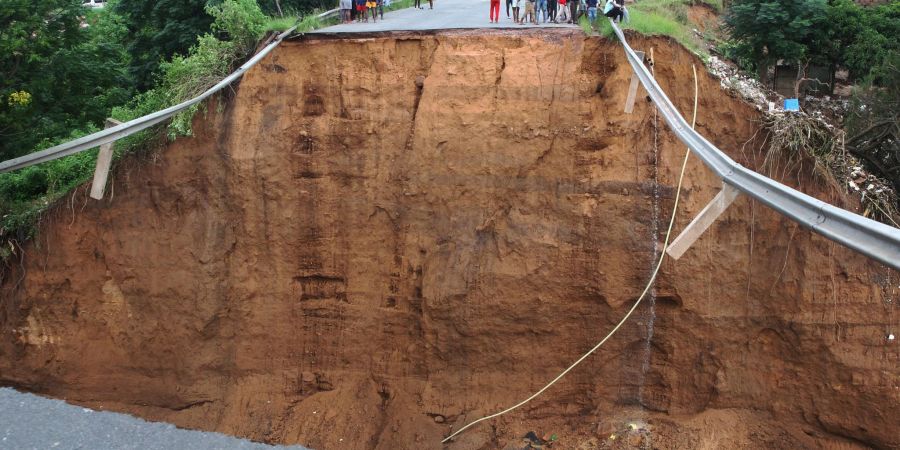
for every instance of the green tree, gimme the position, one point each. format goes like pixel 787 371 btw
pixel 770 30
pixel 62 68
pixel 875 49
pixel 857 38
pixel 844 21
pixel 159 30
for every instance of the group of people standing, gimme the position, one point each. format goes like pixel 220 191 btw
pixel 359 10
pixel 531 11
pixel 557 11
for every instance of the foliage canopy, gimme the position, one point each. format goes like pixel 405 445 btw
pixel 833 32
pixel 61 69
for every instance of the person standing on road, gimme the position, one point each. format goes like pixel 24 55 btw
pixel 430 4
pixel 541 10
pixel 346 5
pixel 372 5
pixel 529 13
pixel 551 10
pixel 509 4
pixel 573 11
pixel 361 11
pixel 563 12
pixel 517 7
pixel 592 11
pixel 417 4
pixel 495 11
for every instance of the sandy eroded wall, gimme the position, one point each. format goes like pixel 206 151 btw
pixel 379 238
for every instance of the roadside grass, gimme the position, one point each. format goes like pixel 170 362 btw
pixel 662 18
pixel 585 25
pixel 280 23
pixel 307 22
pixel 401 4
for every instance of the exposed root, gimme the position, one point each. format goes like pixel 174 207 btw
pixel 798 139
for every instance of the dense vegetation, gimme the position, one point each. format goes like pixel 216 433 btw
pixel 829 32
pixel 57 76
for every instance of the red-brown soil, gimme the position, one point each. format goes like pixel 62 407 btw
pixel 378 240
pixel 703 16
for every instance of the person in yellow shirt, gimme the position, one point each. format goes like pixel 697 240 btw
pixel 372 5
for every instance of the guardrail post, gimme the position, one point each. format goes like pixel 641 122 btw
pixel 710 213
pixel 104 160
pixel 632 90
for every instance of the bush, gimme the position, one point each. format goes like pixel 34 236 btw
pixel 26 193
pixel 241 21
pixel 240 24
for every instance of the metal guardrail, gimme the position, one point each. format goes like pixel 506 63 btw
pixel 873 239
pixel 133 126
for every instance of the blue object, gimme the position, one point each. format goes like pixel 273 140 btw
pixel 791 104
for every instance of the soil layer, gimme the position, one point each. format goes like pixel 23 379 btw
pixel 375 241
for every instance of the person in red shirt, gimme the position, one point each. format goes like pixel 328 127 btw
pixel 361 11
pixel 563 15
pixel 495 11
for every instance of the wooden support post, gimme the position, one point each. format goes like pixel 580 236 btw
pixel 716 207
pixel 633 89
pixel 104 159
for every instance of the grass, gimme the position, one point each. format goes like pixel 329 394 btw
pixel 401 4
pixel 586 25
pixel 308 22
pixel 280 23
pixel 662 18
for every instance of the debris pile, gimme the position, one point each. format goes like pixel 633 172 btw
pixel 746 87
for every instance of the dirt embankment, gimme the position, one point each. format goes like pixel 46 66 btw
pixel 380 239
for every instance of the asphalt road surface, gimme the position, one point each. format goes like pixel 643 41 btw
pixel 31 422
pixel 447 14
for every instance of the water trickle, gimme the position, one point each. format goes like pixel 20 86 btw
pixel 649 314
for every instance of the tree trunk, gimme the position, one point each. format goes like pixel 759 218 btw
pixel 801 75
pixel 278 7
pixel 762 68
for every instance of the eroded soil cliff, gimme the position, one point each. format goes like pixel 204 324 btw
pixel 378 240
